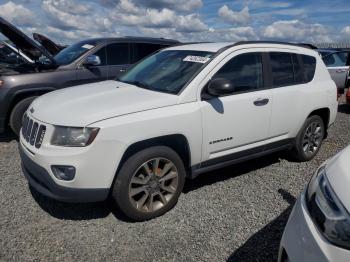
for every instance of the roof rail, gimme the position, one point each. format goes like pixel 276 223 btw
pixel 273 42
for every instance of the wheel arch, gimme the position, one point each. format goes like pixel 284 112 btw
pixel 177 142
pixel 324 113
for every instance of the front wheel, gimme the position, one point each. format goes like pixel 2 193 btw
pixel 309 139
pixel 149 183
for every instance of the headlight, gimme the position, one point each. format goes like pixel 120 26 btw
pixel 327 212
pixel 73 136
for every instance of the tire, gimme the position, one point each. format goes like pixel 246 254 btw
pixel 18 112
pixel 309 140
pixel 150 181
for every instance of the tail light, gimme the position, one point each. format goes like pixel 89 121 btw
pixel 348 96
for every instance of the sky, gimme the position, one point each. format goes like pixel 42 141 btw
pixel 67 21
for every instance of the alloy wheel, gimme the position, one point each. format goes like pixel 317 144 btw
pixel 153 184
pixel 312 138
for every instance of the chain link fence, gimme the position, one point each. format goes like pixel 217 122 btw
pixel 333 45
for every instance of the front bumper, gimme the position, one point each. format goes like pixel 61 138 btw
pixel 41 181
pixel 302 241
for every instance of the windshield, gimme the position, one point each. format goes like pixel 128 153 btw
pixel 71 53
pixel 166 71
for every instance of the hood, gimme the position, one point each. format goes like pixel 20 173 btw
pixel 23 42
pixel 83 105
pixel 49 45
pixel 338 174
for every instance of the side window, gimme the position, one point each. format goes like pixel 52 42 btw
pixel 336 59
pixel 102 55
pixel 282 69
pixel 309 67
pixel 118 54
pixel 245 72
pixel 141 50
pixel 298 71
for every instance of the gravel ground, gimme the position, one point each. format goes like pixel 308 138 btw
pixel 237 214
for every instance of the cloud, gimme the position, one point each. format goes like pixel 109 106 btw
pixel 178 5
pixel 71 6
pixel 234 34
pixel 295 30
pixel 17 14
pixel 61 17
pixel 128 14
pixel 232 17
pixel 346 31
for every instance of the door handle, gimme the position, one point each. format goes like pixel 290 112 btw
pixel 341 70
pixel 122 70
pixel 261 101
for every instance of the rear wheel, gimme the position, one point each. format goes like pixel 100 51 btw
pixel 309 139
pixel 18 112
pixel 149 183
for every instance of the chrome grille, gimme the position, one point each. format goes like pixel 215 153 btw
pixel 32 131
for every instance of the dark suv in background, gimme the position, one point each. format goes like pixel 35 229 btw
pixel 87 61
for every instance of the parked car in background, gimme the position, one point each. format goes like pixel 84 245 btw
pixel 318 228
pixel 347 97
pixel 338 63
pixel 181 112
pixel 87 61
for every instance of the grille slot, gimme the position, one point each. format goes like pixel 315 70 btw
pixel 32 131
pixel 29 130
pixel 24 124
pixel 40 136
pixel 33 134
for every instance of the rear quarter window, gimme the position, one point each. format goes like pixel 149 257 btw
pixel 309 67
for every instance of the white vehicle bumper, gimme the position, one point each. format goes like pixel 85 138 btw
pixel 95 168
pixel 302 241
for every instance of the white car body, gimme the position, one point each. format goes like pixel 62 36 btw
pixel 127 114
pixel 302 239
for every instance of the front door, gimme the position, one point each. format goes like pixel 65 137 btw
pixel 238 121
pixel 94 73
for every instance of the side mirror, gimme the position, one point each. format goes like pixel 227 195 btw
pixel 220 87
pixel 92 60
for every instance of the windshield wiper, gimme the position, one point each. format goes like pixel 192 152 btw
pixel 136 83
pixel 142 85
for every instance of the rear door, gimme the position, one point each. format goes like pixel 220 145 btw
pixel 118 58
pixel 337 66
pixel 290 74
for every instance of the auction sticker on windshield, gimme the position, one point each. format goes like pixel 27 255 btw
pixel 196 59
pixel 87 46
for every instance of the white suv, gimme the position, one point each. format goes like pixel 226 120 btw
pixel 180 112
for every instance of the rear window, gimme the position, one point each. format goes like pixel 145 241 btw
pixel 336 59
pixel 309 63
pixel 282 69
pixel 118 54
